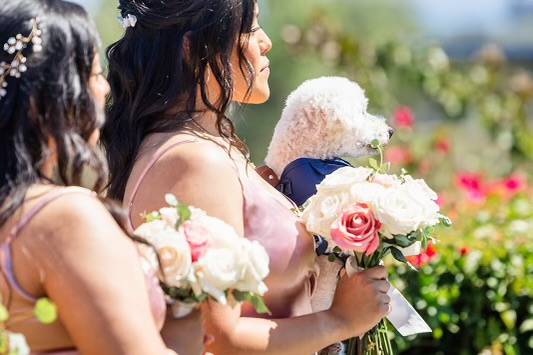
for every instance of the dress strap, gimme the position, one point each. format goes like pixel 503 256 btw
pixel 148 167
pixel 6 260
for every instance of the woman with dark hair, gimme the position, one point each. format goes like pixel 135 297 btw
pixel 173 76
pixel 58 240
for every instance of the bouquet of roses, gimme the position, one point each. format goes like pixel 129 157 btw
pixel 202 257
pixel 366 214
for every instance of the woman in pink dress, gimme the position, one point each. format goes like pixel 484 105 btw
pixel 173 75
pixel 58 240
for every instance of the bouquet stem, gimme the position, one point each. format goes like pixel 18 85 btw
pixel 375 342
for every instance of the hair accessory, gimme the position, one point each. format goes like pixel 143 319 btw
pixel 15 45
pixel 128 21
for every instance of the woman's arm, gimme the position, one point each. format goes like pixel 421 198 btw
pixel 206 178
pixel 92 273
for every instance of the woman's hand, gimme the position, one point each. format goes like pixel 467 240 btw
pixel 361 300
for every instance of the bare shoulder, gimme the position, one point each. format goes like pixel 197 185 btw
pixel 75 214
pixel 197 154
pixel 203 174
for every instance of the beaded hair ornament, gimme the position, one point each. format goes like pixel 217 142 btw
pixel 15 45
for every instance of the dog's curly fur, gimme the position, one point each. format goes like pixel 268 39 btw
pixel 325 118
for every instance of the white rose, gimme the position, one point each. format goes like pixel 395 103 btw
pixel 256 269
pixel 426 197
pixel 366 192
pixel 343 178
pixel 323 210
pixel 18 344
pixel 387 180
pixel 398 211
pixel 169 215
pixel 173 250
pixel 422 185
pixel 219 270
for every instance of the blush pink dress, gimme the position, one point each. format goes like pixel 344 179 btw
pixel 293 269
pixel 20 303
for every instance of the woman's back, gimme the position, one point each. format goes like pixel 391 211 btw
pixel 40 258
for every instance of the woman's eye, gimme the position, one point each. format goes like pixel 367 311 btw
pixel 255 29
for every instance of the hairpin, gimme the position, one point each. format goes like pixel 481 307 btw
pixel 15 45
pixel 128 21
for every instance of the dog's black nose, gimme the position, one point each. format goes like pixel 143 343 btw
pixel 391 132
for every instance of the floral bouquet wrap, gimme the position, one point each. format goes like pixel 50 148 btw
pixel 202 257
pixel 366 214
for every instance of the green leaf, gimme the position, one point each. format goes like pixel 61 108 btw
pixel 256 300
pixel 375 144
pixel 509 318
pixel 184 213
pixel 373 163
pixel 259 305
pixel 526 326
pixel 445 221
pixel 240 296
pixel 398 255
pixel 4 313
pixel 45 311
pixel 403 241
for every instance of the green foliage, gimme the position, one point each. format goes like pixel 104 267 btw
pixel 476 295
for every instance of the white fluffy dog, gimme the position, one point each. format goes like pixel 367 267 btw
pixel 325 118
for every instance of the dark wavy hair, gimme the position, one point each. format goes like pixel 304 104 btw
pixel 49 102
pixel 156 68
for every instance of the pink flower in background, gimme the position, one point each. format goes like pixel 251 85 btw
pixel 196 236
pixel 398 156
pixel 426 257
pixel 443 146
pixel 514 184
pixel 474 187
pixel 404 117
pixel 357 229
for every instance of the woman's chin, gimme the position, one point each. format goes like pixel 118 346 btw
pixel 258 97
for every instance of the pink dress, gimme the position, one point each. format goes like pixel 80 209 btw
pixel 21 303
pixel 293 270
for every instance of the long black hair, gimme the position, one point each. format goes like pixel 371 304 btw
pixel 49 102
pixel 156 68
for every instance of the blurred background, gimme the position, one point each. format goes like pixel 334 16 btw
pixel 455 78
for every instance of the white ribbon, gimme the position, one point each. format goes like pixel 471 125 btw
pixel 402 315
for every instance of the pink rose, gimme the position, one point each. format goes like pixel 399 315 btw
pixel 357 229
pixel 196 236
